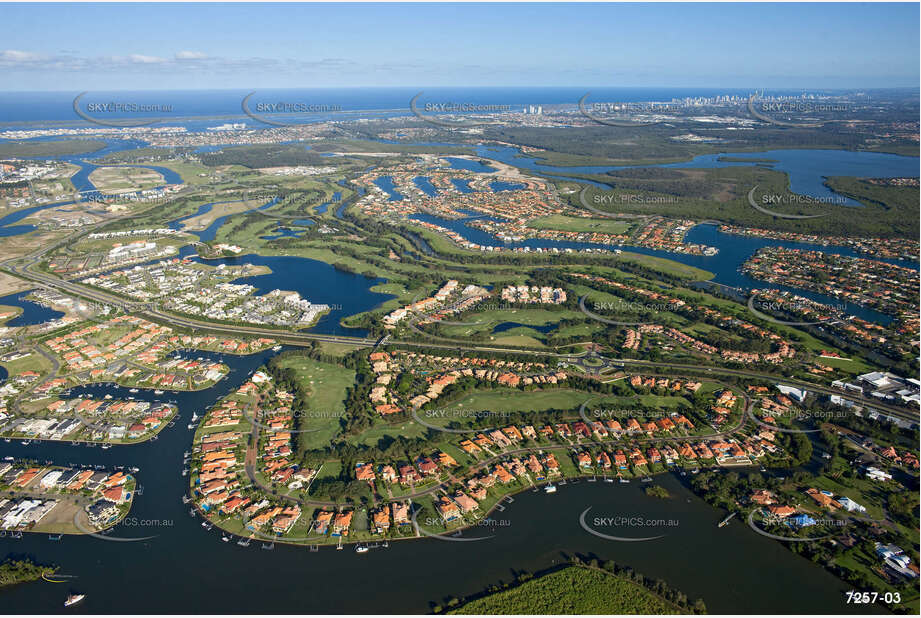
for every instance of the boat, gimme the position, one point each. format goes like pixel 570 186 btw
pixel 55 537
pixel 276 348
pixel 695 470
pixel 268 546
pixel 361 549
pixel 158 392
pixel 550 489
pixel 26 442
pixel 191 426
pixel 8 458
pixel 623 480
pixel 185 472
pixel 133 390
pixel 207 525
pixel 7 440
pixel 195 416
pixel 648 479
pixel 225 538
pixel 73 599
pixel 726 521
pixel 243 542
pixel 186 499
pixel 106 446
pixel 134 469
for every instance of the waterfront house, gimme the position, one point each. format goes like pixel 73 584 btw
pixel 401 514
pixel 780 511
pixel 341 523
pixel 447 509
pixel 322 520
pixel 380 519
pixel 762 497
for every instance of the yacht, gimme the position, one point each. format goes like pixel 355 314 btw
pixel 550 489
pixel 361 549
pixel 73 599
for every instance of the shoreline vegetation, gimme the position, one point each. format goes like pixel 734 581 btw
pixel 13 571
pixel 583 586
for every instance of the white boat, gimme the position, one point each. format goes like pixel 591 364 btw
pixel 623 480
pixel 133 390
pixel 550 489
pixel 276 348
pixel 195 416
pixel 158 392
pixel 361 549
pixel 74 599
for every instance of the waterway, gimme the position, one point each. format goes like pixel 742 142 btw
pixel 198 573
pixel 185 568
pixel 807 169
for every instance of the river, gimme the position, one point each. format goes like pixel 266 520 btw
pixel 186 569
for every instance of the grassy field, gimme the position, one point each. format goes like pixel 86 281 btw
pixel 125 179
pixel 579 224
pixel 8 312
pixel 326 404
pixel 573 590
pixel 49 148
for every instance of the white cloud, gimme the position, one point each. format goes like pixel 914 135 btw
pixel 190 55
pixel 142 59
pixel 13 55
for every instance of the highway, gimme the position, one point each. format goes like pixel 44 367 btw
pixel 152 312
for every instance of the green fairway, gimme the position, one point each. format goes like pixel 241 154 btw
pixel 327 385
pixel 580 224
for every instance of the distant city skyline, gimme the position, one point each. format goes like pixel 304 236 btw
pixel 53 47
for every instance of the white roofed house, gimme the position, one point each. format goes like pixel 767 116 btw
pixel 850 506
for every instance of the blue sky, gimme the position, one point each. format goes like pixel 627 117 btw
pixel 191 46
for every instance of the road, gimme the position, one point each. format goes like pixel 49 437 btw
pixel 22 267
